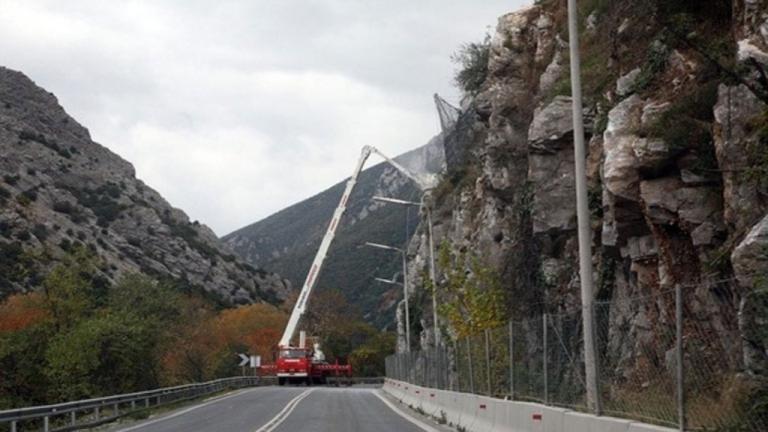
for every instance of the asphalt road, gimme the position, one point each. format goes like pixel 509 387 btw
pixel 287 409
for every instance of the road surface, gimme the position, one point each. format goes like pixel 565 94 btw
pixel 290 409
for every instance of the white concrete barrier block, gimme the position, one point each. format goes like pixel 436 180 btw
pixel 582 422
pixel 642 427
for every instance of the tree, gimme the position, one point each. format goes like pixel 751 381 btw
pixel 69 289
pixel 473 298
pixel 146 298
pixel 472 59
pixel 369 358
pixel 110 353
pixel 20 311
pixel 22 378
pixel 207 347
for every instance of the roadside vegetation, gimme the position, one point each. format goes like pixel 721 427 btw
pixel 81 336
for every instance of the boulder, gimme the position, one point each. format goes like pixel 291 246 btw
pixel 552 126
pixel 669 200
pixel 735 108
pixel 626 84
pixel 750 265
pixel 620 167
pixel 554 191
pixel 750 257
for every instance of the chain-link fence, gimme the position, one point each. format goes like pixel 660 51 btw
pixel 640 342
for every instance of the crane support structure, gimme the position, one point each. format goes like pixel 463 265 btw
pixel 322 251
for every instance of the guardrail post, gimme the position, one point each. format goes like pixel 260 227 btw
pixel 46 424
pixel 73 418
pixel 97 413
pixel 146 403
pixel 13 426
pixel 512 360
pixel 544 363
pixel 133 405
pixel 117 409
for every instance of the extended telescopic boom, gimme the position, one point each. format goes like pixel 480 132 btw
pixel 322 251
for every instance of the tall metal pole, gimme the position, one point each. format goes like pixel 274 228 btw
pixel 432 273
pixel 544 351
pixel 511 360
pixel 679 358
pixel 407 309
pixel 488 361
pixel 582 212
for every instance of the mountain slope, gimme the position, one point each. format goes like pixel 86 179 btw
pixel 60 189
pixel 287 241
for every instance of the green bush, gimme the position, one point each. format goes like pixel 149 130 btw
pixel 686 123
pixel 472 59
pixel 104 355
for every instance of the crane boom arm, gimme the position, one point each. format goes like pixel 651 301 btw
pixel 322 251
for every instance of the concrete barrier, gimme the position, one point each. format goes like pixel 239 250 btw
pixel 485 414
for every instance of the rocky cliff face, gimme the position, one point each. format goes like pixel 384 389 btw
pixel 676 127
pixel 60 189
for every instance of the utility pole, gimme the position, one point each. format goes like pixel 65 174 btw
pixel 405 288
pixel 432 273
pixel 428 212
pixel 582 213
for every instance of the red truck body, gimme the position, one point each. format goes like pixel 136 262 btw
pixel 298 366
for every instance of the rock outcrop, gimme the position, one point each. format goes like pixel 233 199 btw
pixel 677 171
pixel 60 189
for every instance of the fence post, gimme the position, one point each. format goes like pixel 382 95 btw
pixel 679 357
pixel 488 360
pixel 471 372
pixel 544 358
pixel 511 360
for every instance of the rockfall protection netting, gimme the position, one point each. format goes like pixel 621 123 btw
pixel 448 113
pixel 541 359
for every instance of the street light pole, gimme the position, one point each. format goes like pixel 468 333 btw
pixel 407 309
pixel 582 213
pixel 432 272
pixel 432 276
pixel 405 290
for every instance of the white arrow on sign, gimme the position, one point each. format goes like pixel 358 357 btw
pixel 244 360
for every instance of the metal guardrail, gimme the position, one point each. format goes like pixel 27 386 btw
pixel 82 414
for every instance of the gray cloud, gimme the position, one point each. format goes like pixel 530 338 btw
pixel 236 109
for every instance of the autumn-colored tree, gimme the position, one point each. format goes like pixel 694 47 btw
pixel 472 296
pixel 208 346
pixel 20 311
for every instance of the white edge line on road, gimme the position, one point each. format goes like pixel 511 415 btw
pixel 403 414
pixel 176 414
pixel 284 413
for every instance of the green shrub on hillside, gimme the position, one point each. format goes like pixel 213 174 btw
pixel 472 59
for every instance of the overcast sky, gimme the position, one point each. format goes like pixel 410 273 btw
pixel 236 109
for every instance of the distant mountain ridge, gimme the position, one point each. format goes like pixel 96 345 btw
pixel 287 241
pixel 59 189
